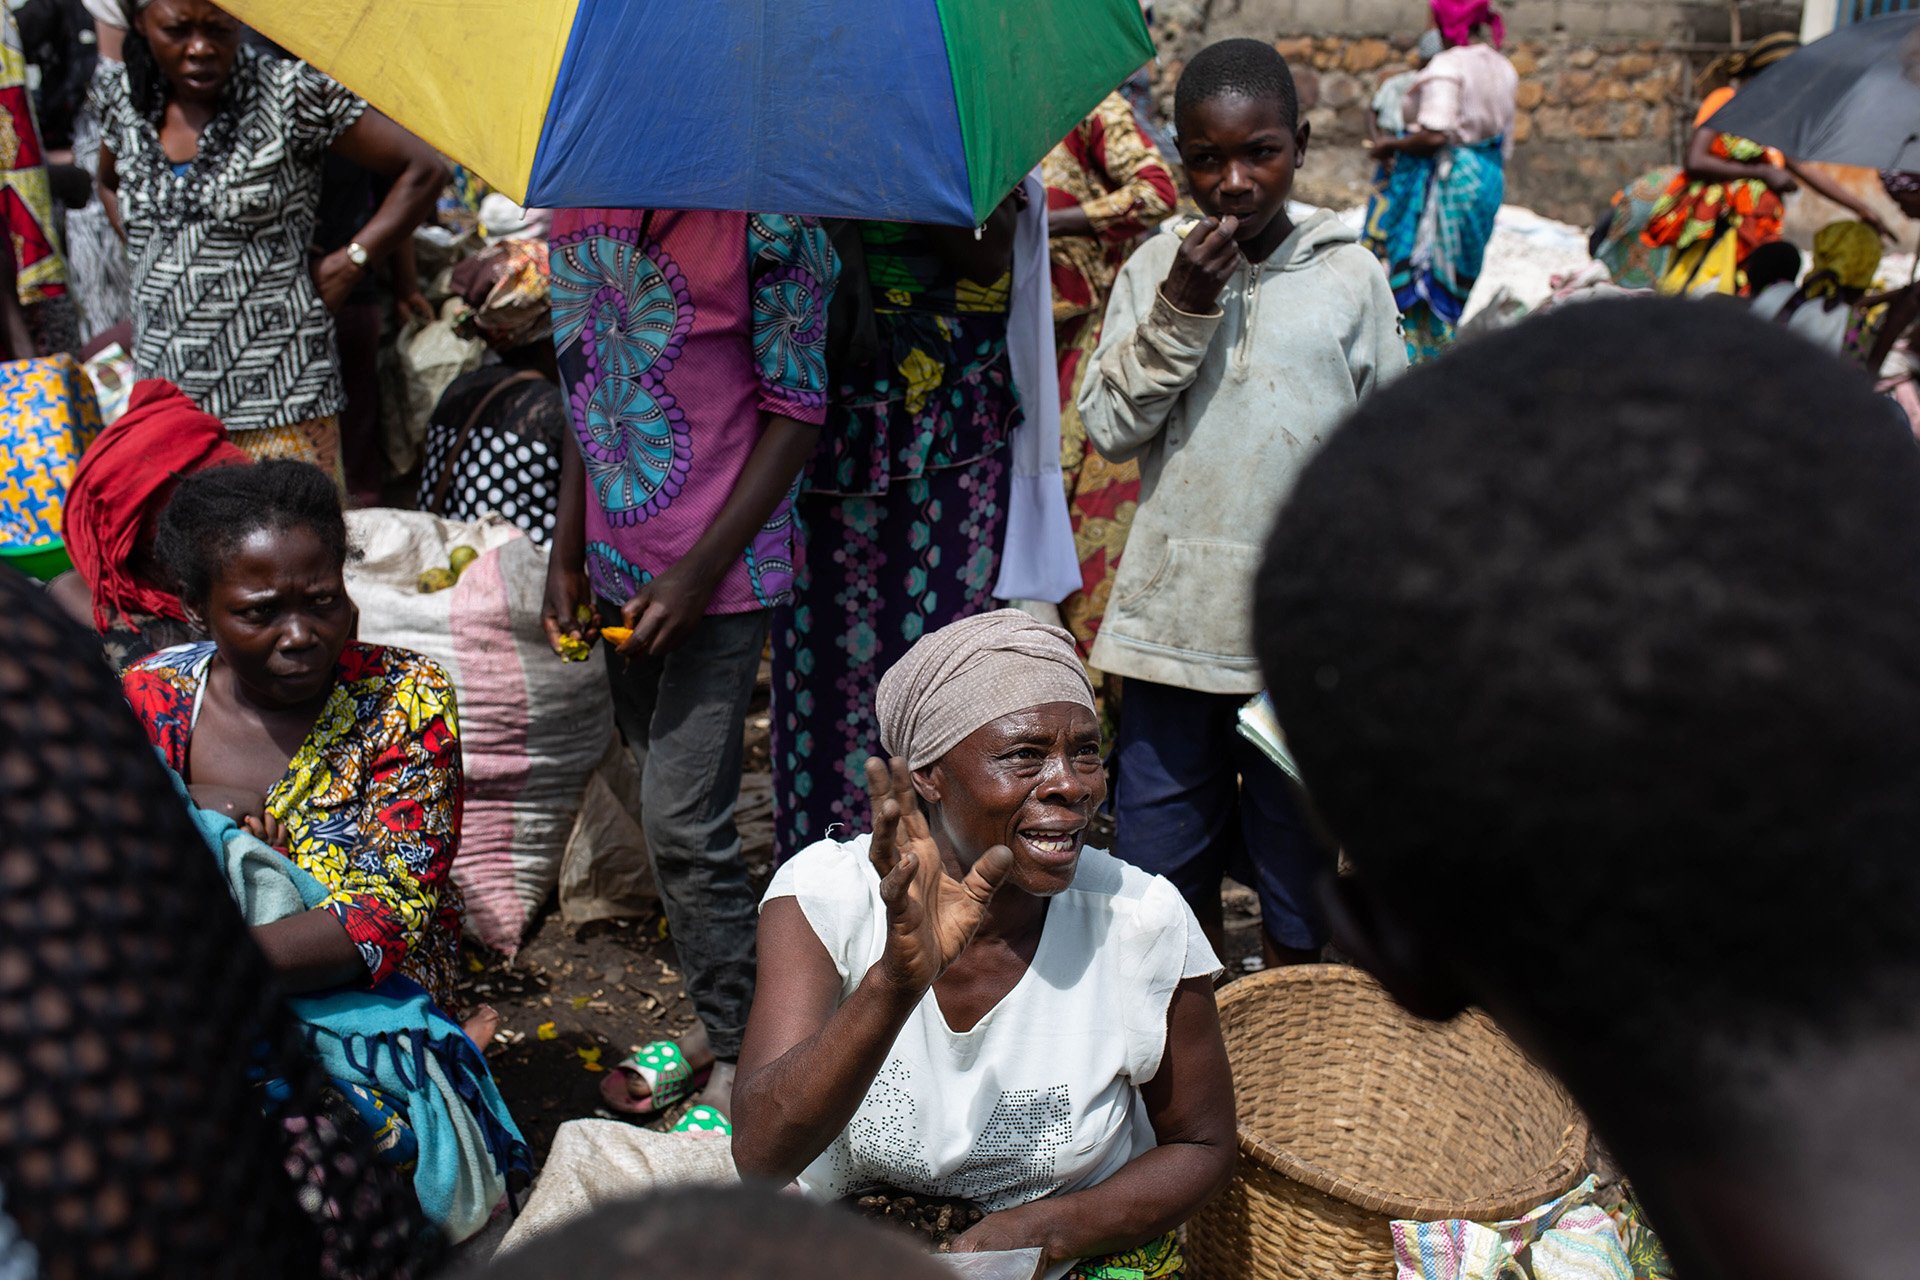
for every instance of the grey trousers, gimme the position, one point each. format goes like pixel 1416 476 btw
pixel 681 716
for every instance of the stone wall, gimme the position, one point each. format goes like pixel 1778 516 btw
pixel 1606 86
pixel 1691 22
pixel 1591 116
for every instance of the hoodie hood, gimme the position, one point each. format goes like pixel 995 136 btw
pixel 1312 239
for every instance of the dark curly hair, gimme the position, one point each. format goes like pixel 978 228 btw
pixel 1238 69
pixel 718 1233
pixel 146 83
pixel 1598 643
pixel 214 511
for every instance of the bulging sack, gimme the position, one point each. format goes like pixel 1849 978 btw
pixel 532 728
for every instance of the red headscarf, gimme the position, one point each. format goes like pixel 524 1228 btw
pixel 1457 19
pixel 122 484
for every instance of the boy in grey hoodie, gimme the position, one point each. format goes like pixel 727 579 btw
pixel 1231 348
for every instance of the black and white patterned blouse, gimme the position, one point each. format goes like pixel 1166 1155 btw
pixel 223 305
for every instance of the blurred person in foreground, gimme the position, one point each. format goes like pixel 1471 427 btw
pixel 1578 632
pixel 139 1023
pixel 716 1233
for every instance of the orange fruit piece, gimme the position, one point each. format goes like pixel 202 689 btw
pixel 617 636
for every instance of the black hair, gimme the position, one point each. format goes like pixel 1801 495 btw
pixel 214 511
pixel 1772 263
pixel 1598 644
pixel 1238 69
pixel 719 1233
pixel 146 83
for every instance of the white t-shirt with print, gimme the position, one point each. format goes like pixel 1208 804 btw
pixel 1043 1094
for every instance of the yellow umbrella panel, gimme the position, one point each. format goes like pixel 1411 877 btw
pixel 472 77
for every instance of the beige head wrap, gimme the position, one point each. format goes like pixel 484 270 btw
pixel 971 673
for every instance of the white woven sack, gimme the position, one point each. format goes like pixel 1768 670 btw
pixel 532 727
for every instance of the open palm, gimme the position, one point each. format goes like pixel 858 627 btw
pixel 931 917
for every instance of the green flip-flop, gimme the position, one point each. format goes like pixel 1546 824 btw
pixel 703 1119
pixel 668 1076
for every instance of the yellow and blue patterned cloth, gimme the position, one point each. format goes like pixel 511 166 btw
pixel 48 417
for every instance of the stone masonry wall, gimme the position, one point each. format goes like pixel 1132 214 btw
pixel 1606 86
pixel 1591 116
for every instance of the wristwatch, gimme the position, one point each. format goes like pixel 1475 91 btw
pixel 357 256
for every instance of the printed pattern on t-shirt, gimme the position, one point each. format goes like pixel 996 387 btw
pixel 1015 1159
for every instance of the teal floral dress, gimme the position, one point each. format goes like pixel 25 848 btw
pixel 900 517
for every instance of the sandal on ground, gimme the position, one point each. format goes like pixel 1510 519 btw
pixel 703 1119
pixel 667 1074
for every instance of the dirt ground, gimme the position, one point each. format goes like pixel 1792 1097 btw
pixel 573 1004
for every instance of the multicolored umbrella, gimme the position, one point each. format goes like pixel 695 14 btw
pixel 918 110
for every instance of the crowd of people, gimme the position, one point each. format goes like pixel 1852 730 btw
pixel 1541 591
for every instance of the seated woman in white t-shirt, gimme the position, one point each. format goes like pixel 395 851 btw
pixel 969 1003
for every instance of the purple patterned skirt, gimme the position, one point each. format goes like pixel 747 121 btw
pixel 876 574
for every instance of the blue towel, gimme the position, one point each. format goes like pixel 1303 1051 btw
pixel 392 1038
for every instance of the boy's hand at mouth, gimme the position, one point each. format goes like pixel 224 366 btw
pixel 1208 257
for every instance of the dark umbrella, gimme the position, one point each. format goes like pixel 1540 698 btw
pixel 1848 98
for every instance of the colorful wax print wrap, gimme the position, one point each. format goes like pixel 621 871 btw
pixel 47 419
pixel 1572 1238
pixel 371 800
pixel 903 512
pixel 123 483
pixel 1111 171
pixel 415 1080
pixel 970 673
pixel 1693 212
pixel 25 194
pixel 1432 221
pixel 1458 18
pixel 1157 1259
pixel 679 336
pixel 939 394
pixel 1630 261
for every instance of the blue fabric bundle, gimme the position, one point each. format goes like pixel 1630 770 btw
pixel 392 1039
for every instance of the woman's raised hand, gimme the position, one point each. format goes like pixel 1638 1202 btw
pixel 930 916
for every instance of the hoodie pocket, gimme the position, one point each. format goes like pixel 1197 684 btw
pixel 1199 599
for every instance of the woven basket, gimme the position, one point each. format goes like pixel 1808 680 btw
pixel 1354 1113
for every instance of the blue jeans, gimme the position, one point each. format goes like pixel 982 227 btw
pixel 681 717
pixel 1195 801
